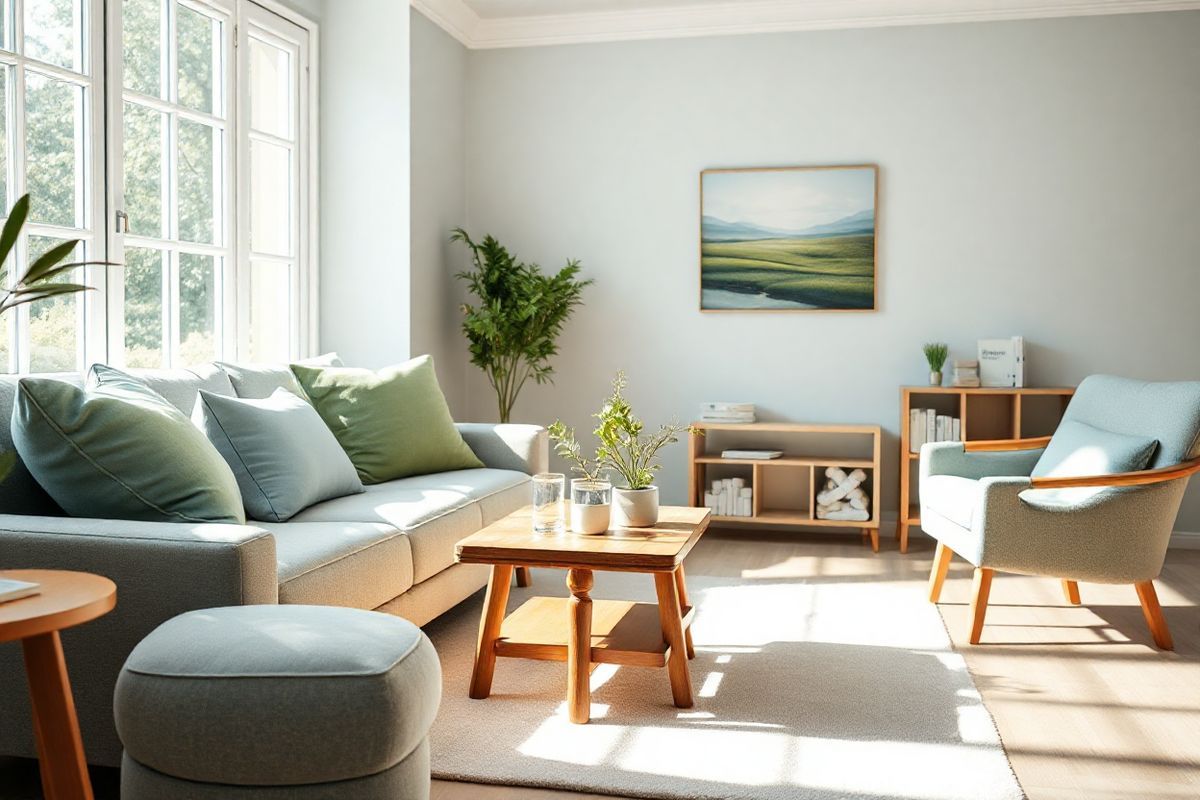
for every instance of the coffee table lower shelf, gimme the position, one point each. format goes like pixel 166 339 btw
pixel 623 632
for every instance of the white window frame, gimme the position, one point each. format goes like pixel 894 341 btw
pixel 90 338
pixel 233 278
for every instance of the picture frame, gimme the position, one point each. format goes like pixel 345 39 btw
pixel 789 238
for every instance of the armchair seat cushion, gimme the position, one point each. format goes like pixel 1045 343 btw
pixel 955 498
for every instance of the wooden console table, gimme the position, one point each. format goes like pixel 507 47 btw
pixel 785 488
pixel 986 414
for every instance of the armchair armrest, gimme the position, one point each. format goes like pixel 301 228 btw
pixel 161 570
pixel 1142 477
pixel 995 445
pixel 954 458
pixel 524 448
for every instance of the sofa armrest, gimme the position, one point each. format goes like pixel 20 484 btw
pixel 951 458
pixel 525 448
pixel 160 569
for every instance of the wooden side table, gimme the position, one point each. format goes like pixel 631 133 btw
pixel 66 599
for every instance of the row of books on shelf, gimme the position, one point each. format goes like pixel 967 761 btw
pixel 926 425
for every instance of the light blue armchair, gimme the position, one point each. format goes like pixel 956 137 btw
pixel 1096 502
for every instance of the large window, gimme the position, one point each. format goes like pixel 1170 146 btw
pixel 198 184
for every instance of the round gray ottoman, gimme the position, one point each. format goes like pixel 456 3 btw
pixel 266 702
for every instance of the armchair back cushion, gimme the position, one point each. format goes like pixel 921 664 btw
pixel 1081 449
pixel 1168 412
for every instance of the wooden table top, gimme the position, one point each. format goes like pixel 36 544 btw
pixel 65 599
pixel 662 548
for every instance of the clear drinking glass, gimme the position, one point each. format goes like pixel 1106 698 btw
pixel 549 512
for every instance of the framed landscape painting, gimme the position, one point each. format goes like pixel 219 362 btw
pixel 788 239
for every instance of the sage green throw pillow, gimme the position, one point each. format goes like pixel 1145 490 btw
pixel 280 450
pixel 118 450
pixel 392 423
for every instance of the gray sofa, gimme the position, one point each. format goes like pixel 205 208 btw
pixel 389 549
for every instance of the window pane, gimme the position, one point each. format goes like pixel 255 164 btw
pixel 141 23
pixel 270 89
pixel 198 44
pixel 144 169
pixel 270 198
pixel 5 349
pixel 5 34
pixel 270 311
pixel 54 32
pixel 143 307
pixel 54 324
pixel 53 119
pixel 198 148
pixel 4 73
pixel 197 309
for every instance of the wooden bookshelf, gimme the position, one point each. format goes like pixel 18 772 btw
pixel 785 488
pixel 985 413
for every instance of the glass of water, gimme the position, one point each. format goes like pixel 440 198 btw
pixel 549 513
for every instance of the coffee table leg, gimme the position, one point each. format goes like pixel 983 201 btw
pixel 494 606
pixel 672 624
pixel 681 588
pixel 56 728
pixel 524 577
pixel 579 646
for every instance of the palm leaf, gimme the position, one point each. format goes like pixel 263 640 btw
pixel 12 227
pixel 8 460
pixel 47 260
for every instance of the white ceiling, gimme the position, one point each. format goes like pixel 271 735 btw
pixel 525 23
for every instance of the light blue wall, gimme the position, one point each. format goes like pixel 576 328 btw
pixel 1037 178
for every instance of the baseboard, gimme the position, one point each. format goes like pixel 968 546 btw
pixel 1185 540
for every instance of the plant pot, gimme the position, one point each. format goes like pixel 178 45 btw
pixel 635 508
pixel 591 506
pixel 935 379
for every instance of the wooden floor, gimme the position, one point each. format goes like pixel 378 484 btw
pixel 1087 708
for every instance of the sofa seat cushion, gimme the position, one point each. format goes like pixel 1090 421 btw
pixel 953 497
pixel 358 564
pixel 436 511
pixel 277 696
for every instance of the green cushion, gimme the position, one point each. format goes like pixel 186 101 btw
pixel 1078 449
pixel 282 454
pixel 392 423
pixel 118 450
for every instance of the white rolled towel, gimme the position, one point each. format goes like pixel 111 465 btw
pixel 858 499
pixel 846 485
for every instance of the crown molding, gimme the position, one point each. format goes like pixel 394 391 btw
pixel 756 16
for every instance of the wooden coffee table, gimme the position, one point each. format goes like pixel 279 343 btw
pixel 577 629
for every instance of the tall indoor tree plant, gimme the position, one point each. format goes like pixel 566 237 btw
pixel 512 330
pixel 43 279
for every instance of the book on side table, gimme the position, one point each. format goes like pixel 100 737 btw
pixel 15 590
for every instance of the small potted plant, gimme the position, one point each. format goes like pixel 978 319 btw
pixel 591 494
pixel 630 453
pixel 936 354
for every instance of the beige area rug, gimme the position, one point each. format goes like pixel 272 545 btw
pixel 803 690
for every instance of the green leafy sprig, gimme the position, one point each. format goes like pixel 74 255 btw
pixel 936 354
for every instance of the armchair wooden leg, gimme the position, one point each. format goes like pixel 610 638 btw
pixel 1154 615
pixel 979 601
pixel 1071 590
pixel 937 575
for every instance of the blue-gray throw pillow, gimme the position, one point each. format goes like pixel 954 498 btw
pixel 117 450
pixel 1079 449
pixel 283 455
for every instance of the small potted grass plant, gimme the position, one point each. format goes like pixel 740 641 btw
pixel 936 354
pixel 591 493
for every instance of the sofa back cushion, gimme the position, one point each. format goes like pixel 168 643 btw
pixel 392 423
pixel 258 381
pixel 180 387
pixel 1078 449
pixel 284 457
pixel 118 450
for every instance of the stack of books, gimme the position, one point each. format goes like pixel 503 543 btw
pixel 727 412
pixel 966 373
pixel 926 425
pixel 15 590
pixel 1002 362
pixel 753 455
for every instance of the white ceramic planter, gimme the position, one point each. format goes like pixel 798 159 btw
pixel 591 506
pixel 635 508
